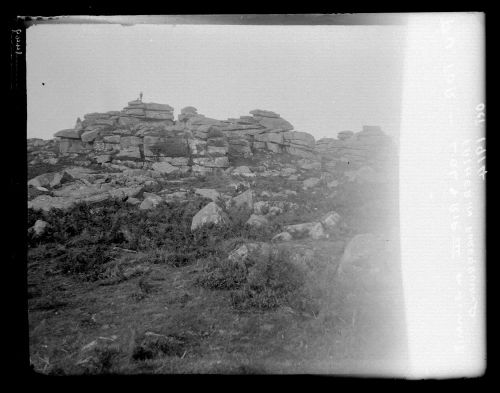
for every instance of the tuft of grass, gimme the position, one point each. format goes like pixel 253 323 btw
pixel 222 274
pixel 265 284
pixel 156 345
pixel 88 263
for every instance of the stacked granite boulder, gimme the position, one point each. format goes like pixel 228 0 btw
pixel 208 146
pixel 147 132
pixel 266 130
pixel 371 146
pixel 150 111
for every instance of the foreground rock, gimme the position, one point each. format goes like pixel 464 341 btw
pixel 39 228
pixel 331 220
pixel 256 258
pixel 209 193
pixel 211 214
pixel 365 251
pixel 50 180
pixel 314 230
pixel 257 221
pixel 245 199
pixel 69 196
pixel 150 201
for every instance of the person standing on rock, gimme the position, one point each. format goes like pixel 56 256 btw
pixel 140 96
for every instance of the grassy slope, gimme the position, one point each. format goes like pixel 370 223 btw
pixel 351 329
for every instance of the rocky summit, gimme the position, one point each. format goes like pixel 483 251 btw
pixel 148 133
pixel 164 242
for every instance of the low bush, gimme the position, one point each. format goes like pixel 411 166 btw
pixel 154 346
pixel 88 262
pixel 222 274
pixel 265 284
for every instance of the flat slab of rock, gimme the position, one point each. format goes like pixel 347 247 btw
pixel 264 113
pixel 209 193
pixel 69 133
pixel 299 138
pixel 133 152
pixel 152 106
pixel 275 123
pixel 164 167
pixel 165 146
pixel 50 179
pixel 243 171
pixel 158 115
pixel 212 162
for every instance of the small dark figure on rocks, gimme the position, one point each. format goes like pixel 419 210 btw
pixel 140 96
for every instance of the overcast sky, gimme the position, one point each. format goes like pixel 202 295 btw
pixel 323 79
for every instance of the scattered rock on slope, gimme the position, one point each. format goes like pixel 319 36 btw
pixel 211 214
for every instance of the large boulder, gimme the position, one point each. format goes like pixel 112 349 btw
pixel 314 230
pixel 244 199
pixel 72 145
pixel 139 112
pixel 127 141
pixel 127 121
pixel 212 162
pixel 211 214
pixel 239 147
pixel 243 170
pixel 151 106
pixel 89 136
pixel 367 147
pixel 189 109
pixel 165 146
pixel 150 201
pixel 274 137
pixel 112 139
pixel 51 180
pixel 47 202
pixel 263 113
pixel 297 138
pixel 157 115
pixel 275 123
pixel 101 159
pixel 133 152
pixel 69 133
pixel 364 251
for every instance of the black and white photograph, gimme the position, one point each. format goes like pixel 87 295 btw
pixel 255 194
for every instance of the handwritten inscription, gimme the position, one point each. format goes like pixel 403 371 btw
pixel 17 41
pixel 480 143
